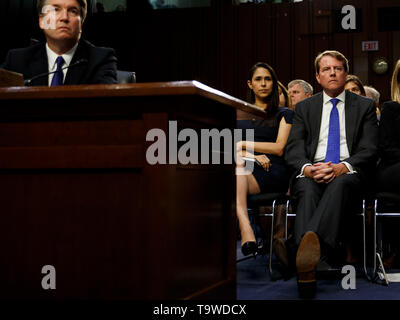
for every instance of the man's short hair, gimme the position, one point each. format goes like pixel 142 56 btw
pixel 307 88
pixel 371 91
pixel 335 54
pixel 82 3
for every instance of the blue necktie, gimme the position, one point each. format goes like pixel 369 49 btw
pixel 333 148
pixel 58 77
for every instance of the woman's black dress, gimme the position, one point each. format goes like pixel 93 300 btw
pixel 277 178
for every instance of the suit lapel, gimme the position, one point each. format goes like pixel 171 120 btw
pixel 76 73
pixel 315 125
pixel 38 66
pixel 351 119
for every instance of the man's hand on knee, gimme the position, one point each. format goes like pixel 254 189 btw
pixel 324 172
pixel 320 172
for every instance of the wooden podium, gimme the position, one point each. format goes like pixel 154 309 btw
pixel 77 193
pixel 10 78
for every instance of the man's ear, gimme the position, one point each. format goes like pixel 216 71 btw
pixel 317 77
pixel 41 22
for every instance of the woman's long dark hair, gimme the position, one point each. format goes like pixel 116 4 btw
pixel 273 99
pixel 357 81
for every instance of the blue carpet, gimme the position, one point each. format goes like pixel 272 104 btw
pixel 254 283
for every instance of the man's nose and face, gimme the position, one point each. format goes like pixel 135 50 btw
pixel 61 20
pixel 331 75
pixel 297 93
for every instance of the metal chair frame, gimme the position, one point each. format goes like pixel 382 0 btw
pixel 278 199
pixel 377 215
pixel 272 215
pixel 285 199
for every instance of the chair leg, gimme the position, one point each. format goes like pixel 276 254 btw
pixel 271 236
pixel 364 243
pixel 374 245
pixel 286 219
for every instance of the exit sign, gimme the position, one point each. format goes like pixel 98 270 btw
pixel 370 46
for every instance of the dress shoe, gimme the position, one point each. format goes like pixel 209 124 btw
pixel 307 258
pixel 249 247
pixel 262 247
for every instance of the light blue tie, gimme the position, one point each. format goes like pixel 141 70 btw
pixel 333 148
pixel 58 78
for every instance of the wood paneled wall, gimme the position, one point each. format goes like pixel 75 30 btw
pixel 219 44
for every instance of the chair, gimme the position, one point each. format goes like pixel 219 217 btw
pixel 363 216
pixel 126 76
pixel 387 205
pixel 254 202
pixel 275 199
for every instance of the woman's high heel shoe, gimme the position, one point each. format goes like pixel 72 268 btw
pixel 249 247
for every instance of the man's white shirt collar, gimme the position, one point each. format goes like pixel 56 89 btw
pixel 341 97
pixel 52 57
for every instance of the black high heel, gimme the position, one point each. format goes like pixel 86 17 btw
pixel 249 247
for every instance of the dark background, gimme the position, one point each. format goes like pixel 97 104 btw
pixel 218 44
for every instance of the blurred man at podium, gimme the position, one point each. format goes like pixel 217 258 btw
pixel 65 58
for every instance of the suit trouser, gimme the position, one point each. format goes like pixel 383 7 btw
pixel 320 207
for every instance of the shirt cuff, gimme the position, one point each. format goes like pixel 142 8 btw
pixel 301 175
pixel 350 167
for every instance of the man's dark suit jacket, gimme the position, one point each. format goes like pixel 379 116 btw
pixel 361 133
pixel 101 65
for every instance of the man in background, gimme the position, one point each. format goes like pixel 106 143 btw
pixel 299 90
pixel 372 93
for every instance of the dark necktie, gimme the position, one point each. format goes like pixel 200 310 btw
pixel 58 77
pixel 333 148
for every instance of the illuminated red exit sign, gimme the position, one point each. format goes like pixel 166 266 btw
pixel 370 46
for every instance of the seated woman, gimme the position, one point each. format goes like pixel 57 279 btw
pixel 270 173
pixel 388 171
pixel 354 84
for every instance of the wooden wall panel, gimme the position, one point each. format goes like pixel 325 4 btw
pixel 301 54
pixel 283 45
pixel 227 66
pixel 265 32
pixel 246 39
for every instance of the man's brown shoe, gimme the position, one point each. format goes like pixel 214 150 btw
pixel 279 248
pixel 308 255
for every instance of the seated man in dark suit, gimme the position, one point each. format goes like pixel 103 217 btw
pixel 72 59
pixel 333 148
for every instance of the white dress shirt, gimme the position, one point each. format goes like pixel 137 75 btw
pixel 52 57
pixel 324 132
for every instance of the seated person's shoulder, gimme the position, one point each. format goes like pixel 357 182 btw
pixel 102 63
pixel 286 113
pixel 18 59
pixel 99 51
pixel 28 51
pixel 391 105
